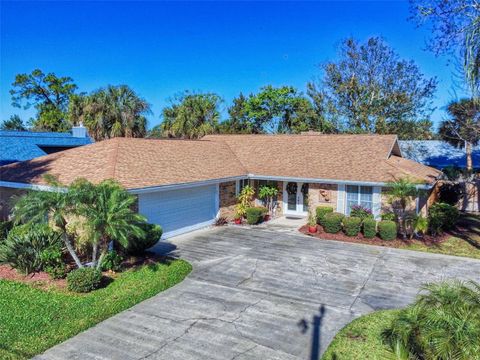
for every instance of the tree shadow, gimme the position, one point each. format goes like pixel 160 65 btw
pixel 315 324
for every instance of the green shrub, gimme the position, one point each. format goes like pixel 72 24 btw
pixel 390 216
pixel 369 228
pixel 361 212
pixel 84 280
pixel 52 262
pixel 321 211
pixel 138 245
pixel 112 261
pixel 254 214
pixel 443 323
pixel 24 246
pixel 333 222
pixel 442 216
pixel 352 225
pixel 387 230
pixel 5 227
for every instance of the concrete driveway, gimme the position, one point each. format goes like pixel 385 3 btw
pixel 262 294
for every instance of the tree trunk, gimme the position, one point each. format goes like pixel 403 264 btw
pixel 94 254
pixel 99 263
pixel 468 152
pixel 71 250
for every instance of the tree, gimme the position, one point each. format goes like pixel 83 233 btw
pixel 191 116
pixel 402 192
pixel 49 94
pixel 455 28
pixel 272 110
pixel 115 111
pixel 55 206
pixel 108 214
pixel 239 120
pixel 369 89
pixel 463 127
pixel 14 123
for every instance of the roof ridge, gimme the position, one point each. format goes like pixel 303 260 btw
pixel 236 157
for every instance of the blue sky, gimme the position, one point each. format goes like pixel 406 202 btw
pixel 162 48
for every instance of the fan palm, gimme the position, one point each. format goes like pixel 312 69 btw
pixel 52 206
pixel 444 323
pixel 403 191
pixel 111 112
pixel 108 214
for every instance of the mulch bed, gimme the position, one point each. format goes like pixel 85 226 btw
pixel 360 239
pixel 42 279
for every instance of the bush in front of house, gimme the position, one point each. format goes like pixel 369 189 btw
pixel 23 248
pixel 369 228
pixel 443 323
pixel 84 280
pixel 441 217
pixel 52 262
pixel 255 214
pixel 112 261
pixel 352 225
pixel 333 222
pixel 321 211
pixel 361 212
pixel 387 230
pixel 5 227
pixel 390 216
pixel 138 245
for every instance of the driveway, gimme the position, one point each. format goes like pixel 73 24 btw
pixel 262 294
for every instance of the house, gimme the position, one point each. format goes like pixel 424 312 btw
pixel 186 184
pixel 25 145
pixel 437 153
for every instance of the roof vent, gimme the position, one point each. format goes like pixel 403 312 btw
pixel 79 131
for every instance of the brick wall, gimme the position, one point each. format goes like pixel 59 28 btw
pixel 228 199
pixel 322 195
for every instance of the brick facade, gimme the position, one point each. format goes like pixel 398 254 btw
pixel 322 195
pixel 228 199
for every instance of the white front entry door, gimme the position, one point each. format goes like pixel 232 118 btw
pixel 295 198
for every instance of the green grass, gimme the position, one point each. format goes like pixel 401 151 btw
pixel 361 339
pixel 33 320
pixel 465 242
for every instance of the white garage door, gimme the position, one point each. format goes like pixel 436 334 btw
pixel 180 211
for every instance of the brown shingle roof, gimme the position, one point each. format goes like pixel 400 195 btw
pixel 138 163
pixel 334 157
pixel 134 163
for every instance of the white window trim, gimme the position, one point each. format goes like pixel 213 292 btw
pixel 376 199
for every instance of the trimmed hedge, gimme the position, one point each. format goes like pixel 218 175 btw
pixel 254 214
pixel 387 230
pixel 352 225
pixel 138 245
pixel 84 280
pixel 321 211
pixel 333 222
pixel 369 228
pixel 442 216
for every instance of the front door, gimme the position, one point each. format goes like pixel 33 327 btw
pixel 295 195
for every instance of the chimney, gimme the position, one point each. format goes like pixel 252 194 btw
pixel 79 131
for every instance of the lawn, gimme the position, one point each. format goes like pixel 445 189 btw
pixel 33 320
pixel 465 242
pixel 361 339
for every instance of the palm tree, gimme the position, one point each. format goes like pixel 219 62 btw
pixel 53 206
pixel 111 112
pixel 108 214
pixel 463 127
pixel 403 192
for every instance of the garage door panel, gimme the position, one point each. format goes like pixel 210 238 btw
pixel 182 210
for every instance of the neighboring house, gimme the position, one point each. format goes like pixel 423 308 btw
pixel 437 153
pixel 25 145
pixel 186 184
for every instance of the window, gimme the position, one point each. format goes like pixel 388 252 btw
pixel 359 195
pixel 241 184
